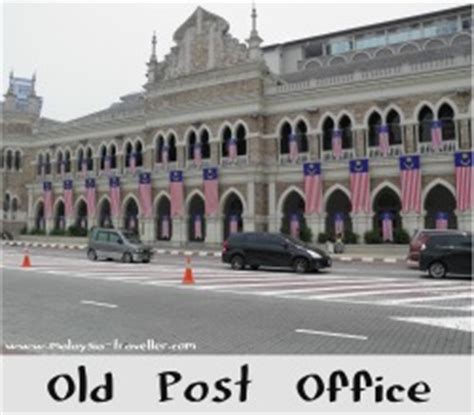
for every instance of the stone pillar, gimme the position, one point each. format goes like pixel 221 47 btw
pixel 273 217
pixel 181 156
pixel 148 158
pixel 30 214
pixel 179 231
pixel 361 223
pixel 410 138
pixel 412 222
pixel 465 220
pixel 120 162
pixel 358 137
pixel 315 146
pixel 49 225
pixel 69 221
pixel 213 229
pixel 463 135
pixel 316 223
pixel 214 153
pixel 116 222
pixel 146 230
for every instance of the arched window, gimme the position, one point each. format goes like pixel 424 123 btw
pixel 302 137
pixel 9 162
pixel 172 153
pixel 425 117
pixel 47 164
pixel 160 143
pixel 328 128
pixel 128 154
pixel 285 133
pixel 17 161
pixel 375 120
pixel 67 161
pixel 192 139
pixel 446 116
pixel 345 126
pixel 241 140
pixel 394 128
pixel 59 162
pixel 90 159
pixel 103 156
pixel 6 205
pixel 80 158
pixel 113 156
pixel 205 146
pixel 226 136
pixel 139 153
pixel 39 164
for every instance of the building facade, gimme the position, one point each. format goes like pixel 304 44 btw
pixel 257 114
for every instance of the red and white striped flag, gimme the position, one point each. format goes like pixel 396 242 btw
pixel 360 185
pixel 464 179
pixel 233 224
pixel 132 223
pixel 339 223
pixel 384 140
pixel 165 227
pixel 197 154
pixel 294 226
pixel 387 227
pixel 68 202
pixel 48 199
pixel 293 150
pixel 436 135
pixel 337 144
pixel 90 196
pixel 441 220
pixel 176 192
pixel 312 187
pixel 198 227
pixel 114 192
pixel 211 190
pixel 232 149
pixel 410 182
pixel 144 190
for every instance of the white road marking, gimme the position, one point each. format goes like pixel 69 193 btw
pixel 98 304
pixel 435 298
pixel 331 334
pixel 456 323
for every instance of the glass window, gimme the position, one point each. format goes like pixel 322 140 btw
pixel 339 46
pixel 114 238
pixel 466 23
pixel 102 237
pixel 132 237
pixel 370 41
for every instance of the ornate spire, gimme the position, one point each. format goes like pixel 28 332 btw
pixel 153 48
pixel 254 40
pixel 33 85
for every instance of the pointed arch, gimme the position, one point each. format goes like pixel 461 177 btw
pixel 396 108
pixel 380 187
pixel 190 196
pixel 129 197
pixel 222 128
pixel 281 123
pixel 243 124
pixel 80 199
pixel 438 181
pixel 331 190
pixel 227 194
pixel 157 135
pixel 409 47
pixel 372 110
pixel 448 101
pixel 420 106
pixel 158 197
pixel 286 193
pixel 460 38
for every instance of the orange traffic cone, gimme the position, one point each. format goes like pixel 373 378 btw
pixel 188 273
pixel 26 260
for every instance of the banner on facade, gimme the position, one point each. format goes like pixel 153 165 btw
pixel 114 192
pixel 68 198
pixel 176 192
pixel 211 190
pixel 360 185
pixel 387 227
pixel 384 140
pixel 312 188
pixel 436 135
pixel 144 189
pixel 410 183
pixel 90 196
pixel 464 179
pixel 48 199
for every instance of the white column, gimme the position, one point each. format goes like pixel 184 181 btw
pixel 213 229
pixel 249 217
pixel 179 231
pixel 465 220
pixel 361 223
pixel 147 230
pixel 30 213
pixel 49 224
pixel 412 222
pixel 316 224
pixel 273 216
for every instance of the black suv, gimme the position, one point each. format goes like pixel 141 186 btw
pixel 442 254
pixel 257 249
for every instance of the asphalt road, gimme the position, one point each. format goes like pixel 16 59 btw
pixel 67 304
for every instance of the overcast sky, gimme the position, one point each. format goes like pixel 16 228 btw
pixel 88 55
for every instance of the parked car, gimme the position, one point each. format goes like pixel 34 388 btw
pixel 256 249
pixel 118 244
pixel 421 237
pixel 447 254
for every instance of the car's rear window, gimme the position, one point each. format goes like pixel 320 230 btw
pixel 455 240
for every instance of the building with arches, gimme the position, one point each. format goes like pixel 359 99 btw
pixel 257 113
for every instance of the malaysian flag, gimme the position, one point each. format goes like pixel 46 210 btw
pixel 107 164
pixel 384 141
pixel 436 135
pixel 293 143
pixel 312 187
pixel 339 223
pixel 442 220
pixel 463 161
pixel 84 167
pixel 90 196
pixel 410 181
pixel 197 154
pixel 68 203
pixel 133 163
pixel 232 149
pixel 197 221
pixel 165 154
pixel 114 192
pixel 176 192
pixel 294 225
pixel 233 223
pixel 48 199
pixel 360 185
pixel 211 192
pixel 132 223
pixel 387 227
pixel 165 227
pixel 337 144
pixel 144 189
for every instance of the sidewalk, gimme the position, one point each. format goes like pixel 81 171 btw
pixel 385 253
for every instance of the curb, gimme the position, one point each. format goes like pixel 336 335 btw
pixel 216 254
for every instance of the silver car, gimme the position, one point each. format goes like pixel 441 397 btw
pixel 105 243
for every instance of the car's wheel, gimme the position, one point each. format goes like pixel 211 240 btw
pixel 437 270
pixel 254 267
pixel 300 265
pixel 127 257
pixel 237 262
pixel 91 254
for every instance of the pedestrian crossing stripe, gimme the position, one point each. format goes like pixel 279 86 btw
pixel 456 323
